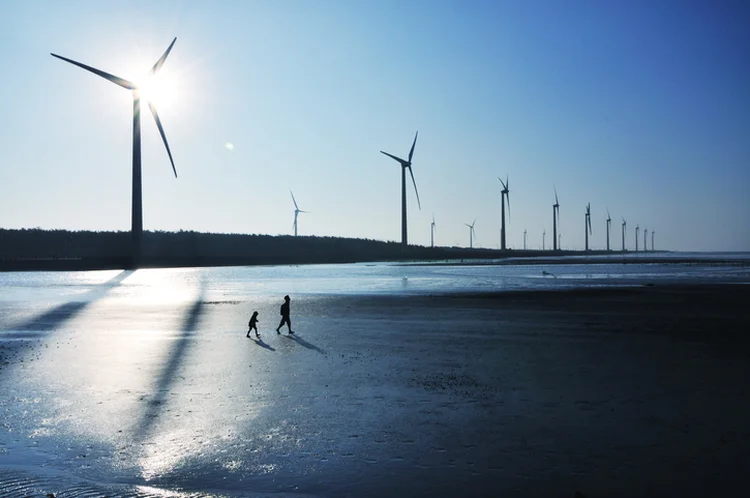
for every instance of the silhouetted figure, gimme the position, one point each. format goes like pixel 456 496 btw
pixel 285 316
pixel 252 325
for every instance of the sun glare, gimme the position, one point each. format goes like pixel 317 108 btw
pixel 160 89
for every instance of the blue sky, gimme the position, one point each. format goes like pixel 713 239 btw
pixel 639 107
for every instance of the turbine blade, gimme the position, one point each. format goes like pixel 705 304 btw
pixel 163 136
pixel 556 201
pixel 411 152
pixel 403 163
pixel 163 58
pixel 505 187
pixel 114 79
pixel 415 187
pixel 294 201
pixel 508 196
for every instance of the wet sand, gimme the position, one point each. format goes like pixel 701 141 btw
pixel 624 392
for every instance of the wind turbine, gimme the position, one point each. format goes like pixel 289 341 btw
pixel 471 233
pixel 524 239
pixel 645 240
pixel 652 241
pixel 432 232
pixel 544 235
pixel 404 166
pixel 624 226
pixel 636 237
pixel 555 217
pixel 587 225
pixel 503 194
pixel 137 200
pixel 297 211
pixel 609 222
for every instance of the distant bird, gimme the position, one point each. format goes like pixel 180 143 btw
pixel 504 194
pixel 624 227
pixel 555 219
pixel 471 233
pixel 137 203
pixel 587 226
pixel 297 211
pixel 432 232
pixel 404 166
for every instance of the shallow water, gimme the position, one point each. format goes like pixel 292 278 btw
pixel 142 383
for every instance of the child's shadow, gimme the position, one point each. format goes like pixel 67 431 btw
pixel 262 344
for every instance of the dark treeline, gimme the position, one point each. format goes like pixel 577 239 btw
pixel 37 249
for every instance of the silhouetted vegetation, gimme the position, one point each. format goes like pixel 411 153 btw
pixel 37 249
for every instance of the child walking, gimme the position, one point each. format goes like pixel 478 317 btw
pixel 253 325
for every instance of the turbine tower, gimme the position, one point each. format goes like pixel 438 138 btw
pixel 432 232
pixel 297 211
pixel 609 222
pixel 137 198
pixel 555 218
pixel 505 193
pixel 645 240
pixel 404 166
pixel 544 235
pixel 652 241
pixel 524 239
pixel 624 226
pixel 471 233
pixel 636 237
pixel 587 225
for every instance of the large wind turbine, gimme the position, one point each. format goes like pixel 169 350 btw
pixel 624 226
pixel 609 222
pixel 505 193
pixel 137 202
pixel 587 226
pixel 555 217
pixel 471 233
pixel 404 166
pixel 636 237
pixel 432 232
pixel 297 211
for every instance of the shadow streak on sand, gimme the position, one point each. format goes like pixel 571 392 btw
pixel 296 338
pixel 174 358
pixel 58 315
pixel 262 344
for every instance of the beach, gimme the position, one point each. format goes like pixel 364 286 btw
pixel 634 391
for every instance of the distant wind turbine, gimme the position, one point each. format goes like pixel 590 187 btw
pixel 587 226
pixel 544 235
pixel 404 166
pixel 432 232
pixel 524 239
pixel 645 240
pixel 624 226
pixel 609 222
pixel 636 237
pixel 297 211
pixel 555 218
pixel 505 193
pixel 471 233
pixel 137 202
pixel 652 241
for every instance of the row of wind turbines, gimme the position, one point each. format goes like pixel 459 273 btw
pixel 406 164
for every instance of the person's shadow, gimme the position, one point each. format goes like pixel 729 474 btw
pixel 296 338
pixel 262 344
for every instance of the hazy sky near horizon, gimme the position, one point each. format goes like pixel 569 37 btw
pixel 639 107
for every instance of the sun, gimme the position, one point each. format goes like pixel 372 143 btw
pixel 160 89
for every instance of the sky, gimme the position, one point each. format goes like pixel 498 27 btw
pixel 641 108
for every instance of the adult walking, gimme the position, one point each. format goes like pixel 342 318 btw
pixel 285 316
